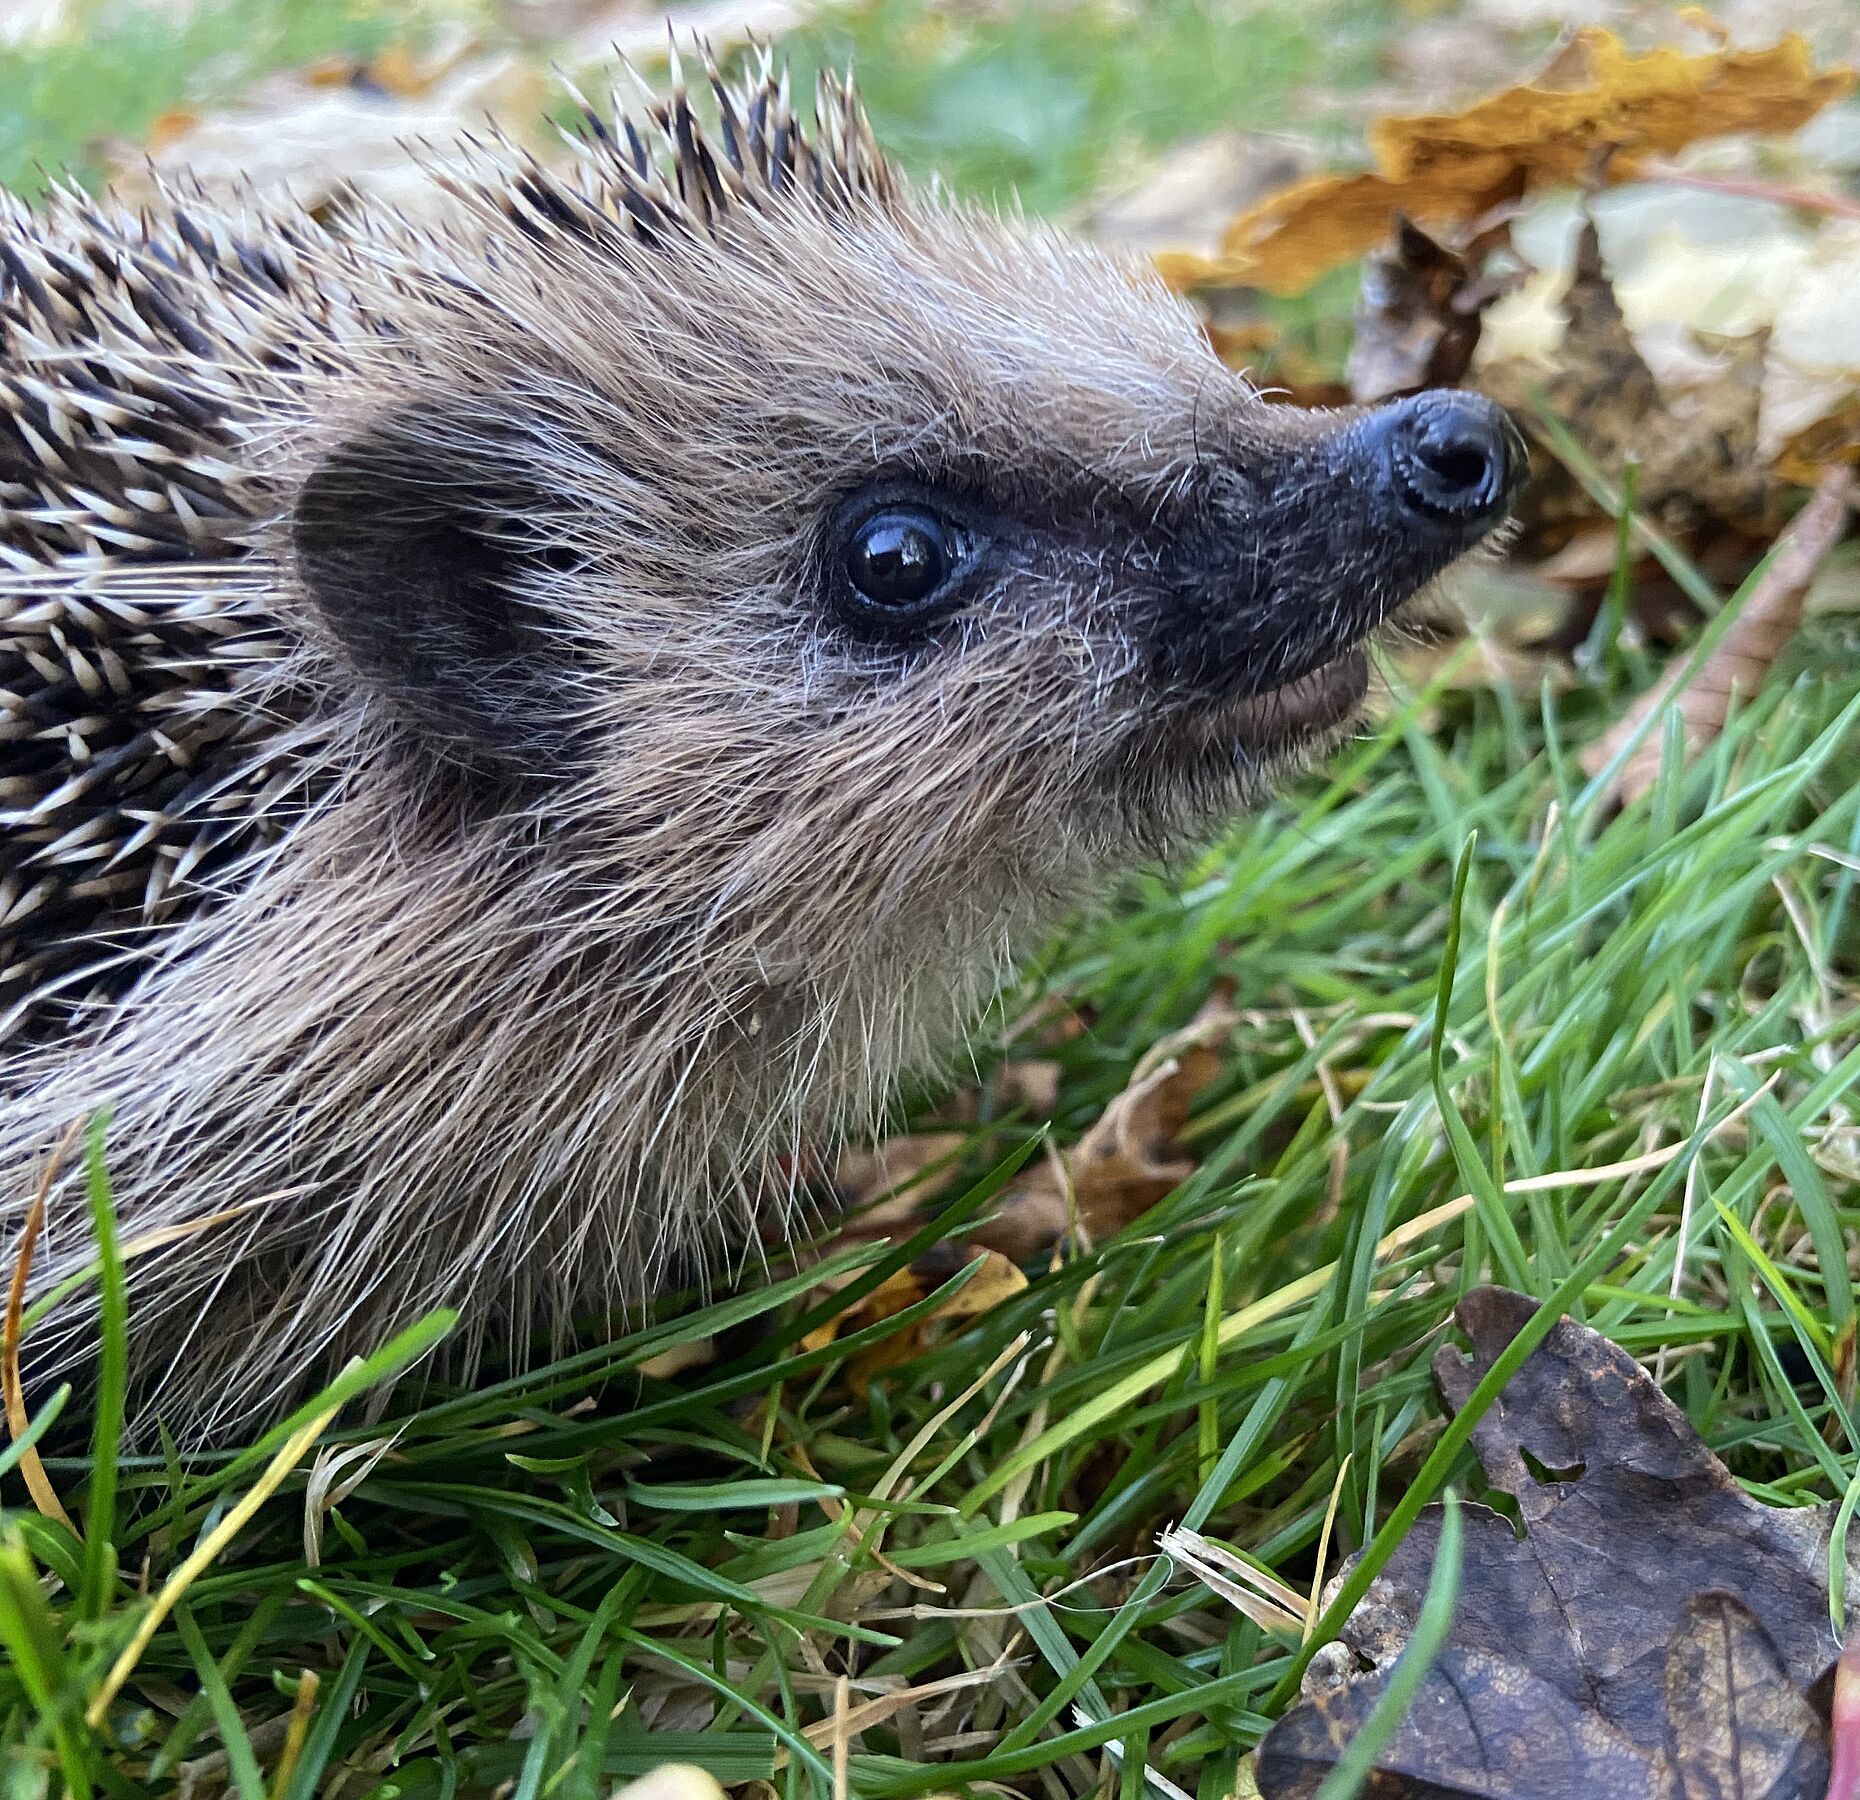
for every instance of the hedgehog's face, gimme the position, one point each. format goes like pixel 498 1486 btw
pixel 904 531
pixel 1178 631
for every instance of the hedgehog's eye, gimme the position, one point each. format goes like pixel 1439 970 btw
pixel 898 558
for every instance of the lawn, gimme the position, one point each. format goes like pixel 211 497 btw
pixel 1456 969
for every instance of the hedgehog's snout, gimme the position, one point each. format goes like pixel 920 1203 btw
pixel 1452 461
pixel 1313 549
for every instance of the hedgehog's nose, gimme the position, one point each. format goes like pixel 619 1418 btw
pixel 1455 460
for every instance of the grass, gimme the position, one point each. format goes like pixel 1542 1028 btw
pixel 1462 972
pixel 1050 105
pixel 119 65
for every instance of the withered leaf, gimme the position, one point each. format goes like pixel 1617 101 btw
pixel 1698 450
pixel 1481 1728
pixel 1735 1722
pixel 995 1282
pixel 1131 1157
pixel 1653 1631
pixel 1590 110
pixel 1418 317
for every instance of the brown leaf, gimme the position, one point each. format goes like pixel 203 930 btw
pixel 1131 1158
pixel 1744 654
pixel 1587 114
pixel 997 1280
pixel 296 131
pixel 1179 205
pixel 1418 317
pixel 1735 1722
pixel 1654 1632
pixel 897 1182
pixel 1834 437
pixel 1482 660
pixel 1481 1728
pixel 1697 448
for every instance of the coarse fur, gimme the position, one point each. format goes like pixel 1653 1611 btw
pixel 459 824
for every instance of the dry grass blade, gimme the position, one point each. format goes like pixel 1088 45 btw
pixel 842 1738
pixel 847 1725
pixel 1313 1606
pixel 302 1706
pixel 1251 1591
pixel 1750 645
pixel 38 1483
pixel 334 1477
pixel 210 1546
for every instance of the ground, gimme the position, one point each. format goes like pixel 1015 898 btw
pixel 1438 974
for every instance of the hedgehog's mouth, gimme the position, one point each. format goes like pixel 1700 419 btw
pixel 1253 733
pixel 1205 750
pixel 1286 718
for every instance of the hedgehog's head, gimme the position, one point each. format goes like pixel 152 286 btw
pixel 877 537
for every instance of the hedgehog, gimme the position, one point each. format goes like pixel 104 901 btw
pixel 521 723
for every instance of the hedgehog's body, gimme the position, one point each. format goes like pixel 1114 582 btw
pixel 513 729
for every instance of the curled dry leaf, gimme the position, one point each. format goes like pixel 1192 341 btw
pixel 1743 657
pixel 1697 448
pixel 1131 1158
pixel 997 1280
pixel 1654 1632
pixel 1587 113
pixel 1418 318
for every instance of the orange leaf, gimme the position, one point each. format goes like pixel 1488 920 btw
pixel 1585 116
pixel 997 1280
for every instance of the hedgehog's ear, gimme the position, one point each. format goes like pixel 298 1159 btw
pixel 417 542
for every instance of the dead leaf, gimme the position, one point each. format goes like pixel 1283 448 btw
pixel 893 1295
pixel 1418 317
pixel 31 1467
pixel 1697 447
pixel 1735 1722
pixel 1655 1632
pixel 1131 1158
pixel 298 133
pixel 1832 438
pixel 1179 206
pixel 1744 654
pixel 1481 1728
pixel 1481 660
pixel 997 1280
pixel 1585 116
pixel 897 1182
pixel 1684 261
pixel 1029 1085
pixel 1023 1086
pixel 170 127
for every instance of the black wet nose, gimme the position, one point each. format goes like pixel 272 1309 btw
pixel 1455 459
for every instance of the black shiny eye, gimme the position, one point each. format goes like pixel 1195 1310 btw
pixel 898 558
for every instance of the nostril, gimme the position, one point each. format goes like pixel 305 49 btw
pixel 1454 458
pixel 1457 464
